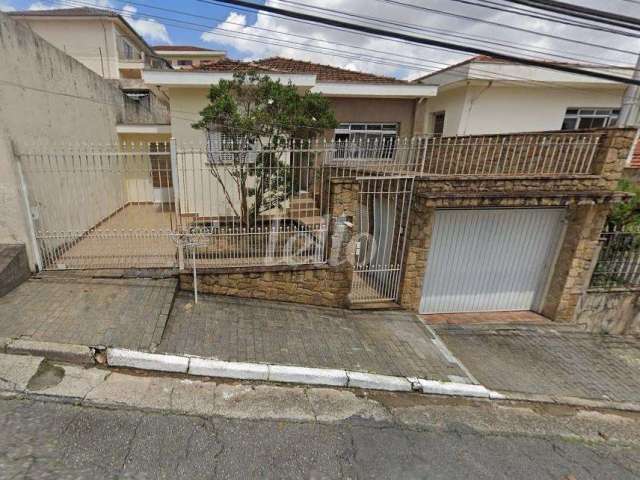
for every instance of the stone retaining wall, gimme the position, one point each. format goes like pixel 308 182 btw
pixel 313 285
pixel 615 312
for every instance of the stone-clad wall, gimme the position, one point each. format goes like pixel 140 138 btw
pixel 313 285
pixel 610 312
pixel 588 200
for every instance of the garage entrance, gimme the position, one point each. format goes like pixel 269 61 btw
pixel 490 260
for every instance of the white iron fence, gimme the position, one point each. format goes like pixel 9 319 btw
pixel 159 205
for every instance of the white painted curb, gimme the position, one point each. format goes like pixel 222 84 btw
pixel 378 382
pixel 457 389
pixel 218 368
pixel 120 357
pixel 313 376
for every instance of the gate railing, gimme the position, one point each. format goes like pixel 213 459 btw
pixel 618 264
pixel 132 205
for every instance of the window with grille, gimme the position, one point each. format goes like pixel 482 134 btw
pixel 582 118
pixel 225 149
pixel 366 140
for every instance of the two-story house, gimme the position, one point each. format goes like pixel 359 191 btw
pixel 106 43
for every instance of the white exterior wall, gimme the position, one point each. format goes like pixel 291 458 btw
pixel 92 41
pixel 524 109
pixel 49 98
pixel 489 97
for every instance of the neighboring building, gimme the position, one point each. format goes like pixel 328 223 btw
pixel 483 95
pixel 48 98
pixel 364 104
pixel 187 56
pixel 106 43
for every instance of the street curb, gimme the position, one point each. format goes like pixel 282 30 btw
pixel 460 389
pixel 571 401
pixel 60 352
pixel 120 357
pixel 209 367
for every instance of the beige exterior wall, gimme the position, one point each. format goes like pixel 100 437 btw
pixel 379 110
pixel 48 97
pixel 186 104
pixel 486 109
pixel 92 41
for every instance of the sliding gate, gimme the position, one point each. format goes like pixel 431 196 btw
pixel 380 225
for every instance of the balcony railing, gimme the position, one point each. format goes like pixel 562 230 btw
pixel 535 154
pixel 144 108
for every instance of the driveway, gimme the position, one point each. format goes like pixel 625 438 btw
pixel 552 360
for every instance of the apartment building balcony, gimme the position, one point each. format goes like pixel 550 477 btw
pixel 144 112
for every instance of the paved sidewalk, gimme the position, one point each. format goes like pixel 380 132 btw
pixel 241 330
pixel 549 360
pixel 64 308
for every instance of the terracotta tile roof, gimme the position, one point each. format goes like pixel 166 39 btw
pixel 324 73
pixel 181 48
pixel 66 12
pixel 229 65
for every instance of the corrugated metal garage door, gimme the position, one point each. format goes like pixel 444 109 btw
pixel 489 260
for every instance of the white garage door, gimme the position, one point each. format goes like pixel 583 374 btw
pixel 489 260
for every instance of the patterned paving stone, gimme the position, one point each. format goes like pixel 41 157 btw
pixel 550 361
pixel 129 313
pixel 389 343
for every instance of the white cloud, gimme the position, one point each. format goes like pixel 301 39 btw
pixel 300 40
pixel 149 28
pixel 6 6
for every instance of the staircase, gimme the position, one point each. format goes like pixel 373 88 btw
pixel 302 206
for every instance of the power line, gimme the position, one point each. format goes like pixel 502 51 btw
pixel 427 41
pixel 551 18
pixel 501 25
pixel 477 38
pixel 340 53
pixel 592 14
pixel 409 26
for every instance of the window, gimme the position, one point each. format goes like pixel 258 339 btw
pixel 225 149
pixel 581 118
pixel 185 63
pixel 366 140
pixel 438 123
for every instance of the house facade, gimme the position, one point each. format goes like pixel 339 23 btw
pixel 188 56
pixel 483 95
pixel 105 42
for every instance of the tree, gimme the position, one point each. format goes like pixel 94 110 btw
pixel 627 213
pixel 254 121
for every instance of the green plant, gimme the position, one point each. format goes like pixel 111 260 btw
pixel 257 119
pixel 626 214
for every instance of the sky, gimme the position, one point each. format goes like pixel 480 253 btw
pixel 248 35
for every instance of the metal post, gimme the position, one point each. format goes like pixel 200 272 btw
pixel 195 276
pixel 629 108
pixel 176 196
pixel 29 212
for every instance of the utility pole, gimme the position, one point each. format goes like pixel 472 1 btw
pixel 629 108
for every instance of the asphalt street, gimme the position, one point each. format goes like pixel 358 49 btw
pixel 42 440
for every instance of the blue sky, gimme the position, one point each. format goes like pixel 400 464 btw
pixel 246 35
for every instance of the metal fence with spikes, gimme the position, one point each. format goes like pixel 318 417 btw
pixel 227 204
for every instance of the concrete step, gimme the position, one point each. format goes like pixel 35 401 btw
pixel 302 203
pixel 14 267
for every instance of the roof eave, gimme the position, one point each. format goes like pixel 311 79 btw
pixel 380 90
pixel 196 79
